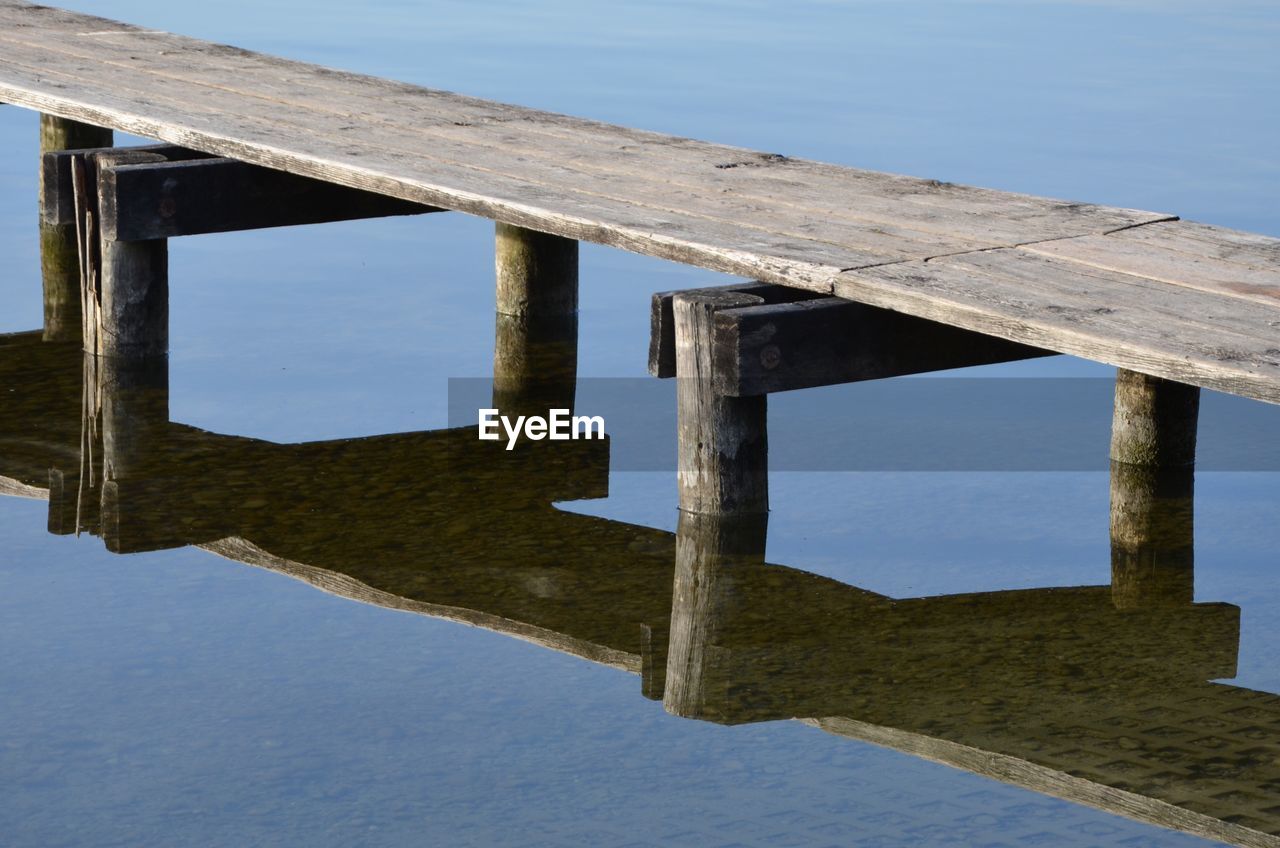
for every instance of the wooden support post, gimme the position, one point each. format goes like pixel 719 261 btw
pixel 712 554
pixel 134 291
pixel 1154 424
pixel 723 451
pixel 59 247
pixel 1153 447
pixel 535 361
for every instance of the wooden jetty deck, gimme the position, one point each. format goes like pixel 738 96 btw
pixel 1140 290
pixel 1080 693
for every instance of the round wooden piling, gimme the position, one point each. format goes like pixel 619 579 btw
pixel 723 451
pixel 1153 454
pixel 1154 423
pixel 535 357
pixel 537 273
pixel 59 246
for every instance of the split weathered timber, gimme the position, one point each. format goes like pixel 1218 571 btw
pixel 59 245
pixel 722 442
pixel 784 344
pixel 1139 290
pixel 134 286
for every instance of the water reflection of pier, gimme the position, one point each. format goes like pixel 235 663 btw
pixel 1100 694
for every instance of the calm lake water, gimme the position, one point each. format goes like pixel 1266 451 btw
pixel 181 697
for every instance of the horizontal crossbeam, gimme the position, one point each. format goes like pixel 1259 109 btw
pixel 796 340
pixel 166 199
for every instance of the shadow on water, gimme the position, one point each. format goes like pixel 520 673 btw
pixel 1103 695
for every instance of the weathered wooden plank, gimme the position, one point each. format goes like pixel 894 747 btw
pixel 718 246
pixel 823 341
pixel 315 89
pixel 1180 334
pixel 857 243
pixel 216 195
pixel 869 233
pixel 1180 253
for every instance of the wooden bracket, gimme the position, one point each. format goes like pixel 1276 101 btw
pixel 186 192
pixel 57 197
pixel 798 340
pixel 185 198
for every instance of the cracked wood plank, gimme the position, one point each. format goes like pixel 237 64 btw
pixel 1229 344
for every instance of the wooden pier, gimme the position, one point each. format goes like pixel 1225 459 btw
pixel 855 275
pixel 879 274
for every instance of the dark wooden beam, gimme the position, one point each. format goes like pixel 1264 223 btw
pixel 662 325
pixel 57 195
pixel 155 201
pixel 795 340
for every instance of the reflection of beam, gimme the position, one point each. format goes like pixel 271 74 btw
pixel 335 583
pixel 1049 781
pixel 18 489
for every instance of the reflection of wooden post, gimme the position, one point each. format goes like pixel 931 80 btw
pixel 711 552
pixel 723 454
pixel 535 362
pixel 1153 449
pixel 135 420
pixel 59 247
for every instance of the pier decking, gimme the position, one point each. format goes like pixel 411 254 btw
pixel 1140 290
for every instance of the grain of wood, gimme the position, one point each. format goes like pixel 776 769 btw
pixel 1180 253
pixel 1177 333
